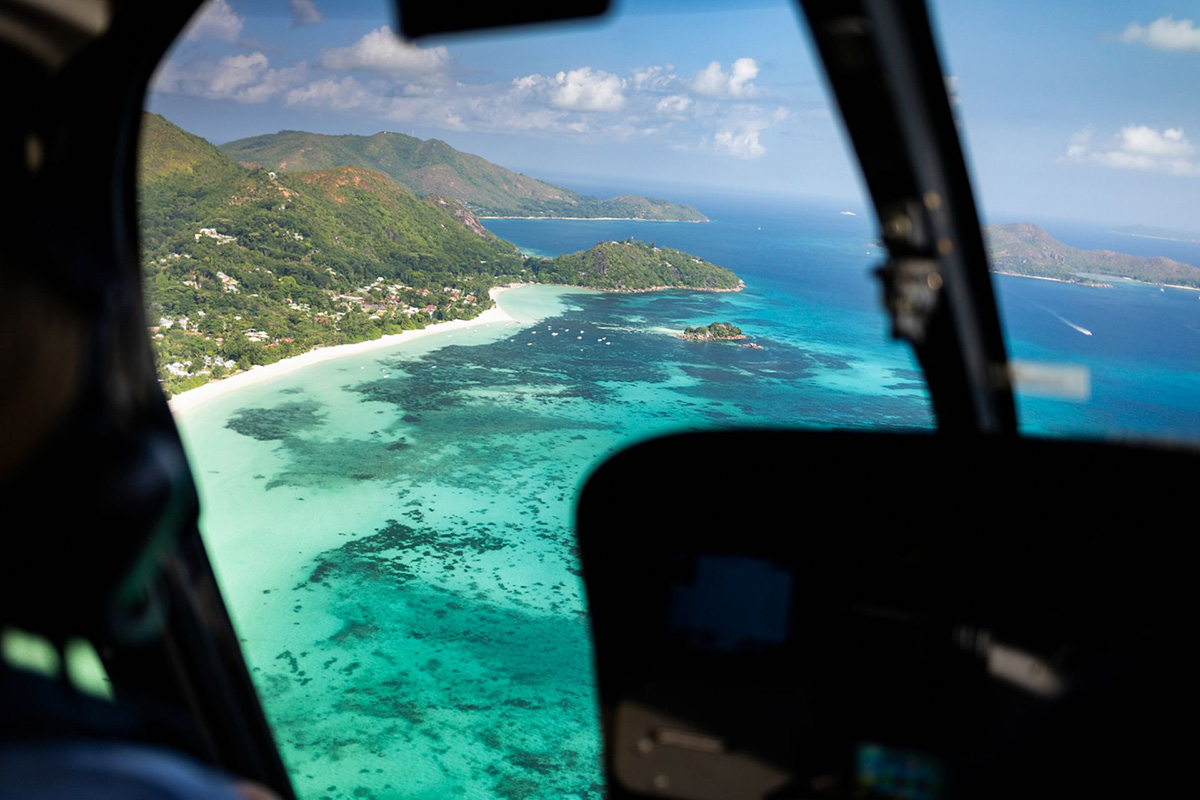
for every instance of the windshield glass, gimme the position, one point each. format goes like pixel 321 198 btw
pixel 1079 122
pixel 388 441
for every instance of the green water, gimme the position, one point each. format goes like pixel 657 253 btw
pixel 392 530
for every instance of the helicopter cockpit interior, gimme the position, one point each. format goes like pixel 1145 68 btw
pixel 945 636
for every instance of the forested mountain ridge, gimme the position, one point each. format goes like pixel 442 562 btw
pixel 167 151
pixel 1023 248
pixel 431 166
pixel 248 266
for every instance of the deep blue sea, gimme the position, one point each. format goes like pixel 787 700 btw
pixel 392 530
pixel 1143 356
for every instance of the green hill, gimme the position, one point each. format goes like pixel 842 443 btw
pixel 247 266
pixel 168 151
pixel 242 268
pixel 431 166
pixel 1025 249
pixel 632 266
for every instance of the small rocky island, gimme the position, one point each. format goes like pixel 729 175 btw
pixel 716 331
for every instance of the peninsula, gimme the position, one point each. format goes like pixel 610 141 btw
pixel 246 266
pixel 1027 250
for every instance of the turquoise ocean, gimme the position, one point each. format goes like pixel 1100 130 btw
pixel 392 530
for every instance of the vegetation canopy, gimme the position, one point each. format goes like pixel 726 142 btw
pixel 245 266
pixel 431 166
pixel 715 330
pixel 1025 249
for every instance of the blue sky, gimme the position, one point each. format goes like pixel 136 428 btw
pixel 1083 110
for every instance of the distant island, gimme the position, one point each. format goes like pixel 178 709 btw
pixel 245 266
pixel 716 331
pixel 1027 250
pixel 1153 232
pixel 432 167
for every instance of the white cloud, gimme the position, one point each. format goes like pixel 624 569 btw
pixel 333 94
pixel 522 105
pixel 738 130
pixel 716 82
pixel 1165 33
pixel 1137 147
pixel 234 72
pixel 246 78
pixel 507 117
pixel 584 90
pixel 651 104
pixel 216 21
pixel 655 78
pixel 743 145
pixel 1079 144
pixel 674 104
pixel 1142 140
pixel 413 89
pixel 271 83
pixel 304 12
pixel 383 51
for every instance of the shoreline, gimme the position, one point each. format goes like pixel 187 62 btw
pixel 1097 285
pixel 201 395
pixel 194 398
pixel 1160 238
pixel 1053 280
pixel 740 287
pixel 599 219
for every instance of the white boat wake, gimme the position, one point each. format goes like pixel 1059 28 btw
pixel 1065 321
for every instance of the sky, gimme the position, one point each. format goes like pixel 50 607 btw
pixel 1068 110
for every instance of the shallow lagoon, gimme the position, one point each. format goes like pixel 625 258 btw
pixel 392 529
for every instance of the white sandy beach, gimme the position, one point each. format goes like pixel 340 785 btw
pixel 194 398
pixel 597 219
